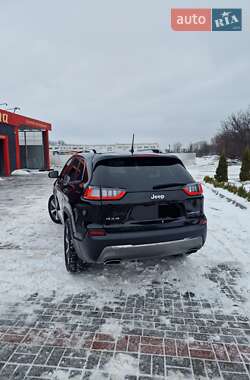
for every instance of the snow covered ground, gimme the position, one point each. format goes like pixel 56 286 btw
pixel 31 252
pixel 31 248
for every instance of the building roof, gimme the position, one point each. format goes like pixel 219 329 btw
pixel 20 121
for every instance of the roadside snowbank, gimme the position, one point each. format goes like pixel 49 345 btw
pixel 24 172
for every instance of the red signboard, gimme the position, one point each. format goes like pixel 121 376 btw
pixel 16 120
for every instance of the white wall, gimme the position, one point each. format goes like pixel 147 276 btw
pixel 58 160
pixel 187 158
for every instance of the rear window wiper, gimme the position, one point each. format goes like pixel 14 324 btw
pixel 166 185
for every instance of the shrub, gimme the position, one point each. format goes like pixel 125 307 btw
pixel 208 179
pixel 221 171
pixel 245 166
pixel 218 184
pixel 242 192
pixel 232 188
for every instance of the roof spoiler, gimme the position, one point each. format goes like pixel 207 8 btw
pixel 88 151
pixel 150 150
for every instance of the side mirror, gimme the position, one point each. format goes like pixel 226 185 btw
pixel 53 174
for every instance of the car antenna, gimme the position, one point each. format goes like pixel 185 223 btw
pixel 132 146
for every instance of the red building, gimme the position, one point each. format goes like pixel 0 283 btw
pixel 24 143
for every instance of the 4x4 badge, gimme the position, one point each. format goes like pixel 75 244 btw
pixel 157 197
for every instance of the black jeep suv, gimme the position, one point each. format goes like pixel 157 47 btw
pixel 126 206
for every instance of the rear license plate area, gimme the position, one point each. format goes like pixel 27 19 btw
pixel 169 211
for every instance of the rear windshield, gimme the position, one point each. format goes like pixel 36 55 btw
pixel 140 173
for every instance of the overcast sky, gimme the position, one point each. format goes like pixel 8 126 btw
pixel 100 70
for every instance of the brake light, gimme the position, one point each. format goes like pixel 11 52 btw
pixel 193 189
pixel 96 193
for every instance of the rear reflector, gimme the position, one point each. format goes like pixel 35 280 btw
pixel 96 232
pixel 95 193
pixel 203 221
pixel 193 189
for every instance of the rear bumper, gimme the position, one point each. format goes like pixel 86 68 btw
pixel 169 248
pixel 142 244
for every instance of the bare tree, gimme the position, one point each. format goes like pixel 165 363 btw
pixel 234 135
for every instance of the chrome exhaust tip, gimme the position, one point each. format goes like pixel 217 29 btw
pixel 112 261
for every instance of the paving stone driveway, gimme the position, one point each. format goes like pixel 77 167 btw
pixel 159 332
pixel 164 334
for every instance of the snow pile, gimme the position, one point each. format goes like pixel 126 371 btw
pixel 25 172
pixel 214 338
pixel 178 375
pixel 111 327
pixel 97 375
pixel 60 374
pixel 121 365
pixel 189 340
pixel 21 172
pixel 164 320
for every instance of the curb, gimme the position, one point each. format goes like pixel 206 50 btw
pixel 230 200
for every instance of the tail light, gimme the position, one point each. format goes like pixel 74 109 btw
pixel 193 189
pixel 95 193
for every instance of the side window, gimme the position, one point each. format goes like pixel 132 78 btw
pixel 82 171
pixel 66 167
pixel 85 174
pixel 73 171
pixel 76 169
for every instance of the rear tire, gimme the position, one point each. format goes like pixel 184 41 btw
pixel 53 210
pixel 73 263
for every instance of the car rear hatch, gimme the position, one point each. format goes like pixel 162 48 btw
pixel 141 192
